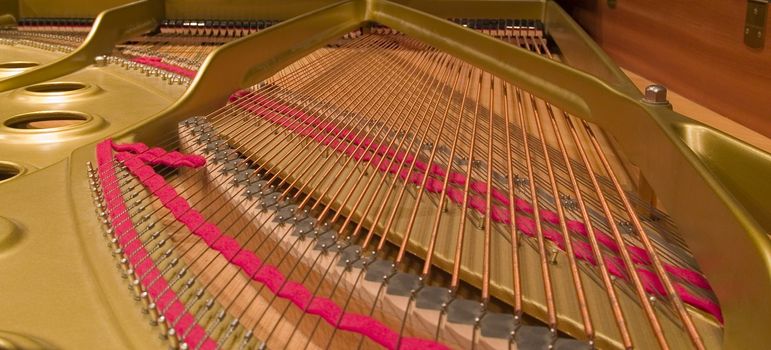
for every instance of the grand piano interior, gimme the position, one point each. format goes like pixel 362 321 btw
pixel 402 174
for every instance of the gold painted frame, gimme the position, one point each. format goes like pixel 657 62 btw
pixel 110 27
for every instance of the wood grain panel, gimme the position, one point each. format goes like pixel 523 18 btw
pixel 694 47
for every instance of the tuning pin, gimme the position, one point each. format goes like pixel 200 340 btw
pixel 198 294
pixel 152 310
pixel 113 244
pixel 163 325
pixel 247 337
pixel 136 287
pixel 146 302
pixel 124 265
pixel 131 274
pixel 100 61
pixel 171 335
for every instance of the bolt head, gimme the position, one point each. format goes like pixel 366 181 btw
pixel 656 94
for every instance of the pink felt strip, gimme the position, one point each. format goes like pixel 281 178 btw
pixel 158 63
pixel 143 265
pixel 159 156
pixel 650 281
pixel 264 273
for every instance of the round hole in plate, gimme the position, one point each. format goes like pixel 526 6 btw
pixel 9 171
pixel 18 65
pixel 50 88
pixel 47 121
